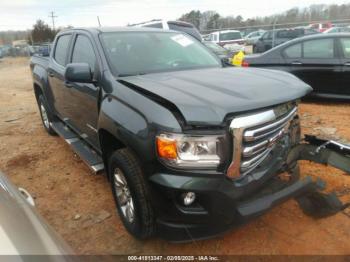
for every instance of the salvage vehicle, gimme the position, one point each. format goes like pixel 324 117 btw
pixel 337 29
pixel 22 230
pixel 226 37
pixel 253 37
pixel 322 61
pixel 191 148
pixel 172 25
pixel 321 27
pixel 273 38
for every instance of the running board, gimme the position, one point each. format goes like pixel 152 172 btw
pixel 81 148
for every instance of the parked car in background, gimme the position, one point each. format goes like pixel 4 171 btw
pixel 337 29
pixel 172 25
pixel 322 61
pixel 1 55
pixel 253 37
pixel 320 27
pixel 226 37
pixel 274 38
pixel 224 54
pixel 22 230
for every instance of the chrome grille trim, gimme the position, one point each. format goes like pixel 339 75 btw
pixel 254 136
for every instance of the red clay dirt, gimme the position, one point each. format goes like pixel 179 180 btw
pixel 80 207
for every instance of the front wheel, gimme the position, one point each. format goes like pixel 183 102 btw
pixel 45 116
pixel 130 194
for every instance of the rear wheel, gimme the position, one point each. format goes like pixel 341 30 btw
pixel 45 116
pixel 130 194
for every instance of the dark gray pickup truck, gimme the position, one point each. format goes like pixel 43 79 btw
pixel 191 147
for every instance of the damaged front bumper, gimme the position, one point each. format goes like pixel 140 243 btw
pixel 228 211
pixel 322 151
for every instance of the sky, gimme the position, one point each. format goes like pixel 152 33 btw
pixel 22 14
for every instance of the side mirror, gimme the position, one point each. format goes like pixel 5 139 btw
pixel 78 72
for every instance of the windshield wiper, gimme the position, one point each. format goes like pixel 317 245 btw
pixel 134 74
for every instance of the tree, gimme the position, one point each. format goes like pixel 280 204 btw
pixel 193 17
pixel 42 32
pixel 213 21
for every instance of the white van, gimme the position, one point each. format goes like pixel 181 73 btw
pixel 172 25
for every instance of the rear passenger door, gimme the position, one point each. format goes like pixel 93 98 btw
pixel 344 88
pixel 56 70
pixel 82 101
pixel 319 65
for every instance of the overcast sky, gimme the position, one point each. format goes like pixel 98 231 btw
pixel 22 14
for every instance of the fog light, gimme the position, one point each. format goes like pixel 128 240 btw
pixel 188 198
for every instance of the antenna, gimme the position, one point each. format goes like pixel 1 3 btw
pixel 53 19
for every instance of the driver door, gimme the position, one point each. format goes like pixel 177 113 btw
pixel 82 98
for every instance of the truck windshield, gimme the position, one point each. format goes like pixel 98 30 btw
pixel 133 53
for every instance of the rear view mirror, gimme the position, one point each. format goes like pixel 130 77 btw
pixel 78 72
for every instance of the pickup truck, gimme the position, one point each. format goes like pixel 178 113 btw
pixel 190 146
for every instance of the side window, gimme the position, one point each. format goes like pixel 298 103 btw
pixel 83 52
pixel 293 51
pixel 282 34
pixel 321 48
pixel 345 43
pixel 267 35
pixel 62 49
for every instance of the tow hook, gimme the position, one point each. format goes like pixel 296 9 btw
pixel 315 203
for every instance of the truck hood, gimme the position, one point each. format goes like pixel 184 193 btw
pixel 206 96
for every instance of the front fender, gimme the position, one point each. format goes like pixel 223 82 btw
pixel 135 123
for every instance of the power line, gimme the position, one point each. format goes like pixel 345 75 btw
pixel 53 19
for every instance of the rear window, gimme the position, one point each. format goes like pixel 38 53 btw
pixel 345 43
pixel 230 36
pixel 289 33
pixel 62 49
pixel 320 48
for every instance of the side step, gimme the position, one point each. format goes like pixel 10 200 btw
pixel 81 148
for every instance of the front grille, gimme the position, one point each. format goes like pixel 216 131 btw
pixel 254 136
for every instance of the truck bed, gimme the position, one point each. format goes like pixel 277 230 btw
pixel 40 60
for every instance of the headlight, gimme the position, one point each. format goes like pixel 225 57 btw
pixel 189 151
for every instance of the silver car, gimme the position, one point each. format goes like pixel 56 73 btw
pixel 22 230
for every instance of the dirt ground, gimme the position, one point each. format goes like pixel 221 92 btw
pixel 80 207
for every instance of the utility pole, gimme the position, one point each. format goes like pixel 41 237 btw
pixel 53 19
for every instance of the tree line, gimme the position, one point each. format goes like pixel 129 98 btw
pixel 40 33
pixel 210 20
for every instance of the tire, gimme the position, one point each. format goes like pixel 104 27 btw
pixel 127 183
pixel 46 116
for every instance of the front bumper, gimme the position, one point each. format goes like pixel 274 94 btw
pixel 222 204
pixel 241 213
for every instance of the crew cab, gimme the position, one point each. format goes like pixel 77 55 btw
pixel 191 148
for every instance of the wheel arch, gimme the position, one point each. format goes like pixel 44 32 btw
pixel 109 143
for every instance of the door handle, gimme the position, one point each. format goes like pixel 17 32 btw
pixel 296 63
pixel 68 84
